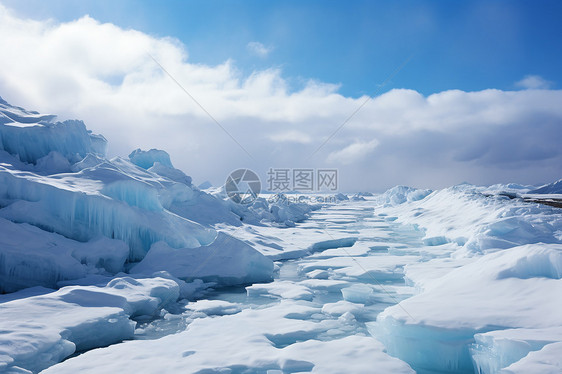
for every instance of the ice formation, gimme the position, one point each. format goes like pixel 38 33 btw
pixel 56 186
pixel 492 265
pixel 40 331
pixel 238 262
pixel 31 136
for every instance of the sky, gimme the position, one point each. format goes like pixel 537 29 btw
pixel 420 93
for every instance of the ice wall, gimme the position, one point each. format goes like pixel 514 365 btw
pixel 31 136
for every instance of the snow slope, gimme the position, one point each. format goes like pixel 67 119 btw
pixel 550 188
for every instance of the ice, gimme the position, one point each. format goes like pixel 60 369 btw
pixel 53 163
pixel 249 342
pixel 546 361
pixel 359 294
pixel 147 159
pixel 214 307
pixel 40 331
pixel 333 243
pixel 486 222
pixel 401 194
pixel 282 289
pixel 111 199
pixel 512 284
pixel 341 307
pixel 497 350
pixel 281 209
pixel 19 116
pixel 44 259
pixel 226 260
pixel 31 136
pixel 118 207
pixel 170 173
pixel 381 268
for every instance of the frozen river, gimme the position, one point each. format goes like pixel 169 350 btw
pixel 313 315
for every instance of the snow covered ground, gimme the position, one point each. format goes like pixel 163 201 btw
pixel 123 265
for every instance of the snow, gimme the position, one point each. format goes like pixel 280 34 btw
pixel 40 331
pixel 500 290
pixel 226 261
pixel 550 188
pixel 248 341
pixel 401 194
pixel 486 221
pixel 548 360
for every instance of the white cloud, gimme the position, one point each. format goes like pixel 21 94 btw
pixel 354 152
pixel 103 74
pixel 534 82
pixel 258 49
pixel 292 136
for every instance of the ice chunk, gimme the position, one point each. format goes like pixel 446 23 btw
pixel 546 361
pixel 401 194
pixel 435 241
pixel 31 257
pixel 500 290
pixel 91 160
pixel 358 293
pixel 31 136
pixel 318 274
pixel 283 289
pixel 175 175
pixel 214 307
pixel 333 243
pixel 146 159
pixel 115 199
pixel 226 261
pixel 34 336
pixel 53 163
pixel 496 350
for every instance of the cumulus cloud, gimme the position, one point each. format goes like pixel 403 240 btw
pixel 258 49
pixel 105 75
pixel 534 82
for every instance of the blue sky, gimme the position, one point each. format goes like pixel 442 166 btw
pixel 478 101
pixel 469 46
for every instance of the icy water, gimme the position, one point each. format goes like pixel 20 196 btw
pixel 334 291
